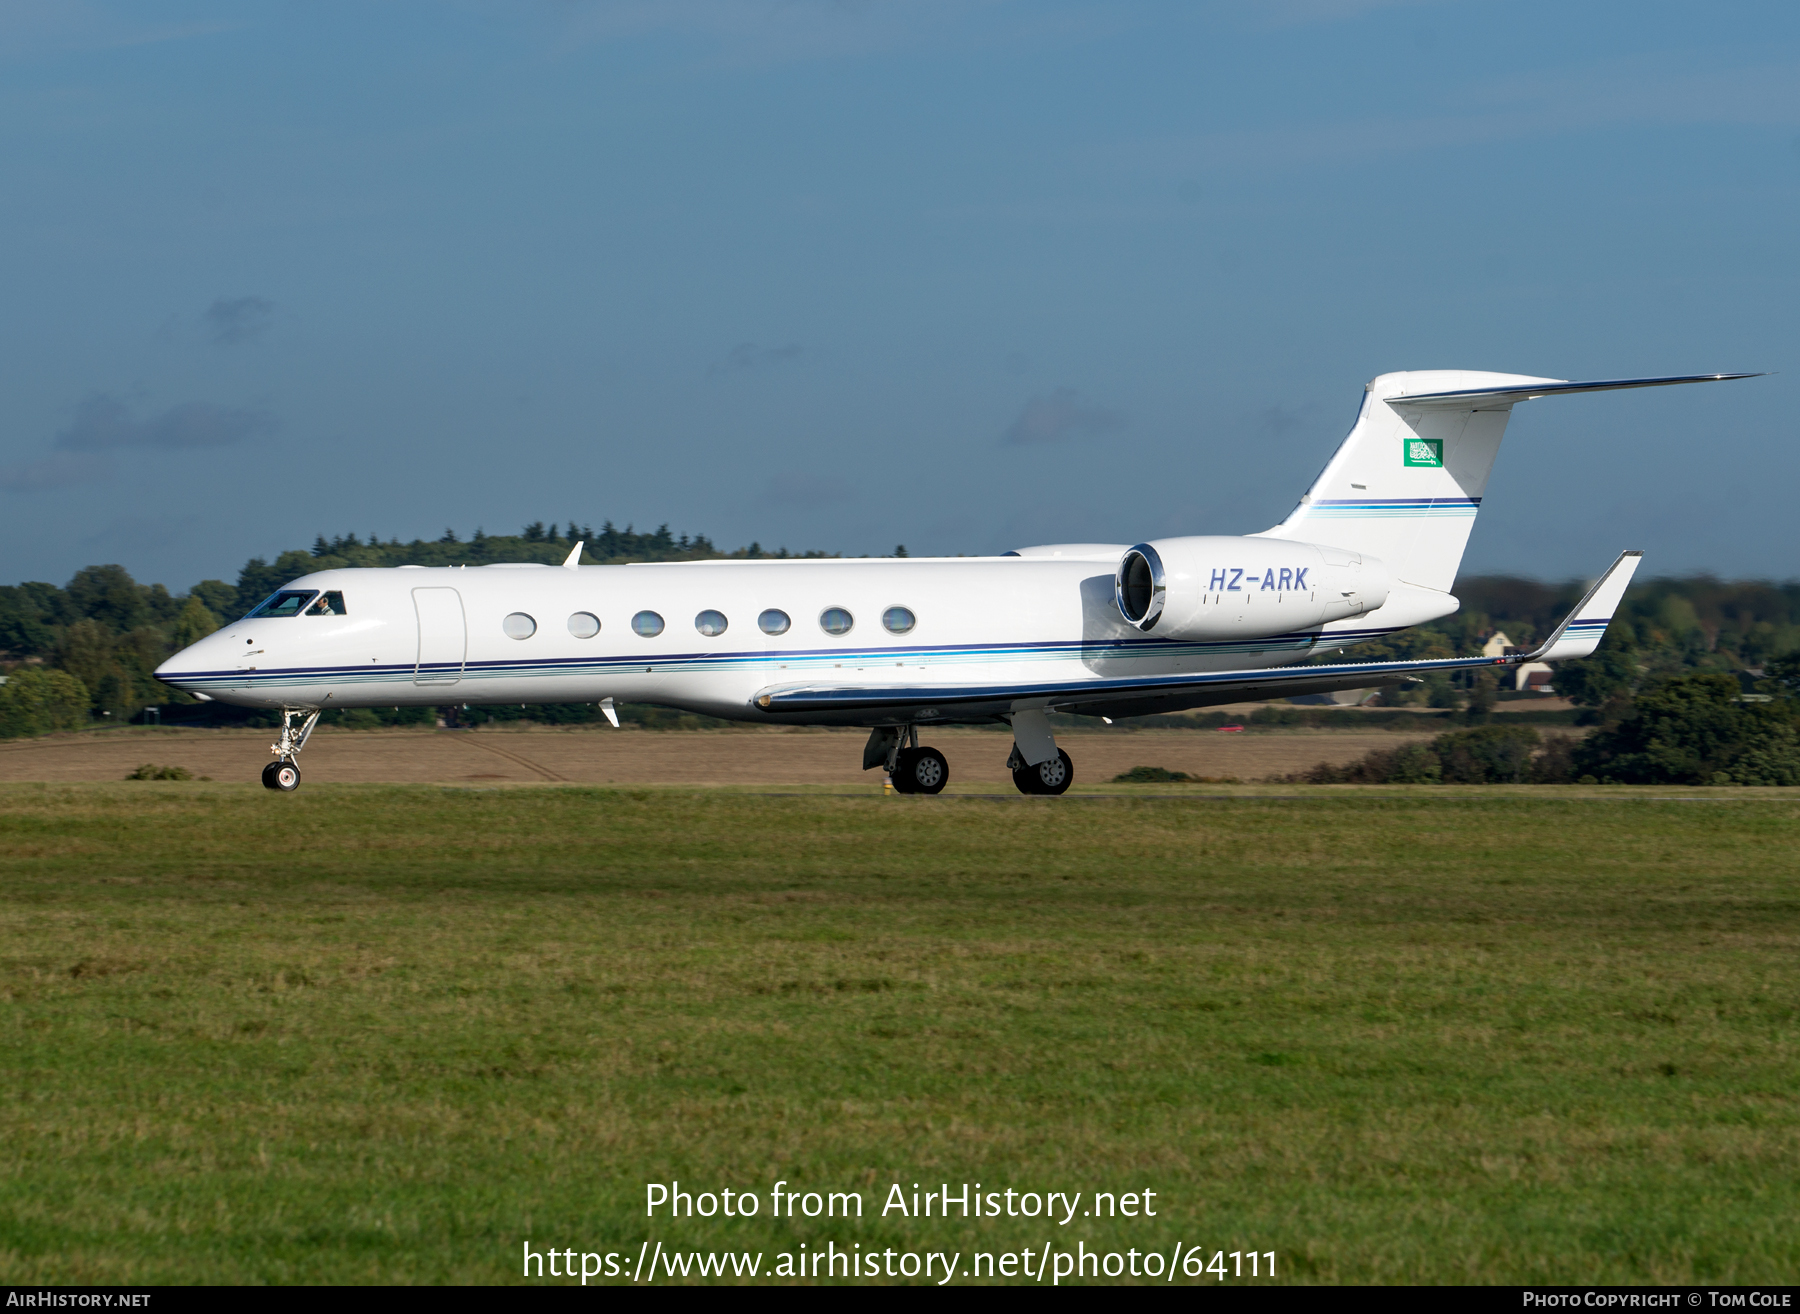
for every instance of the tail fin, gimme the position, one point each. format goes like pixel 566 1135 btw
pixel 1407 482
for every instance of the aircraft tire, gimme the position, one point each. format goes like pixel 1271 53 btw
pixel 1051 777
pixel 282 776
pixel 921 771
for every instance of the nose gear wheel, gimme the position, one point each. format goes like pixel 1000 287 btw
pixel 284 776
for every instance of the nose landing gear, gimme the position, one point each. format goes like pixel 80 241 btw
pixel 284 772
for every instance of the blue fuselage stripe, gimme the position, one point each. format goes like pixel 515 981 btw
pixel 936 656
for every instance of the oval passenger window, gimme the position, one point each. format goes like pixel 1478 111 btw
pixel 898 620
pixel 519 626
pixel 584 625
pixel 835 620
pixel 647 623
pixel 773 621
pixel 711 623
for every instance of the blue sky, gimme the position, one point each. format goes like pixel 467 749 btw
pixel 844 275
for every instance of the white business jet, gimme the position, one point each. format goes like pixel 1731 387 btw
pixel 904 644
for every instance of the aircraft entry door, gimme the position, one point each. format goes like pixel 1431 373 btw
pixel 443 636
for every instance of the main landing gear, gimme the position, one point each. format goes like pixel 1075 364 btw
pixel 912 769
pixel 920 771
pixel 916 770
pixel 1051 776
pixel 1038 766
pixel 284 772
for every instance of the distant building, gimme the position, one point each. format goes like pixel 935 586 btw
pixel 1528 677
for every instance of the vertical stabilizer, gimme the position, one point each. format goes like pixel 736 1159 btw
pixel 1407 482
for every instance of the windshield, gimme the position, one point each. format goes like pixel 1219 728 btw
pixel 288 602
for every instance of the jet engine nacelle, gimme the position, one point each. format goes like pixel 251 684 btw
pixel 1214 587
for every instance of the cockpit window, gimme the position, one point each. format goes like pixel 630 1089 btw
pixel 288 602
pixel 329 604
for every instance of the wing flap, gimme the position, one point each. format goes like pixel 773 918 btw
pixel 966 699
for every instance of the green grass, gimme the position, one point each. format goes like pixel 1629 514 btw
pixel 387 1034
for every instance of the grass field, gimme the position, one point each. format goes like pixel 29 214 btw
pixel 388 1033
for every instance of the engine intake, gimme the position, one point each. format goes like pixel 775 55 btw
pixel 1141 586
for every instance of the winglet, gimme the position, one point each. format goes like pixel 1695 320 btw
pixel 574 558
pixel 1581 631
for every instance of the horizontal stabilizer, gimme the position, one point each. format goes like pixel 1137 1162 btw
pixel 1491 398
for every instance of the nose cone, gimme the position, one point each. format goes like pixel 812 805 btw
pixel 186 669
pixel 172 671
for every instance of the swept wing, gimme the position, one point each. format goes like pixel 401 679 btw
pixel 1578 635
